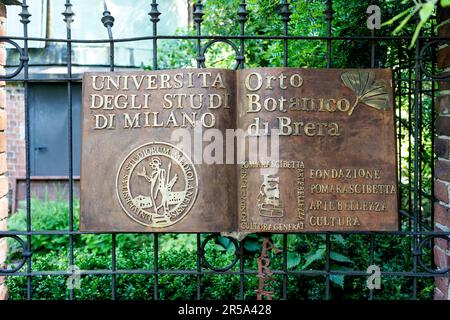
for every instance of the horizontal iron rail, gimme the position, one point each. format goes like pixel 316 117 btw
pixel 228 37
pixel 227 272
pixel 67 232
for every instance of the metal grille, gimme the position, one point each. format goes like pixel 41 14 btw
pixel 415 81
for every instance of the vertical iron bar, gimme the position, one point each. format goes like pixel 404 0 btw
pixel 199 266
pixel 113 266
pixel 329 18
pixel 25 20
pixel 155 266
pixel 108 22
pixel 111 56
pixel 410 147
pixel 242 18
pixel 286 17
pixel 433 133
pixel 416 162
pixel 154 18
pixel 372 49
pixel 241 270
pixel 371 260
pixel 399 101
pixel 420 157
pixel 198 18
pixel 68 18
pixel 327 266
pixel 285 239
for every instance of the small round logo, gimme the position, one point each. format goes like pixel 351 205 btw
pixel 156 184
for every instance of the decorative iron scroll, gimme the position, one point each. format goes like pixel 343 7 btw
pixel 208 264
pixel 22 59
pixel 419 253
pixel 25 254
pixel 430 46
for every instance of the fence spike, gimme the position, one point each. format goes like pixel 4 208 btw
pixel 25 14
pixel 198 12
pixel 154 13
pixel 242 12
pixel 68 13
pixel 285 11
pixel 107 19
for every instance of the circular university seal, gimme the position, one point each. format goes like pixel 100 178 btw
pixel 156 184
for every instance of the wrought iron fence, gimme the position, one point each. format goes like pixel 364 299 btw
pixel 415 84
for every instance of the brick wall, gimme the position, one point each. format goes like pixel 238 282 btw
pixel 3 169
pixel 442 172
pixel 15 132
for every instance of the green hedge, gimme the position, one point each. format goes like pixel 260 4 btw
pixel 179 252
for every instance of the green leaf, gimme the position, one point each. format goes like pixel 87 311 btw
pixel 231 250
pixel 314 256
pixel 416 33
pixel 224 241
pixel 337 279
pixel 218 247
pixel 252 246
pixel 426 11
pixel 339 238
pixel 404 22
pixel 339 257
pixel 392 20
pixel 445 3
pixel 293 259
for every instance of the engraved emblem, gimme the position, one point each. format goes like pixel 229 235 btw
pixel 269 203
pixel 156 184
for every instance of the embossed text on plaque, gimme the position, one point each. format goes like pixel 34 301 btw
pixel 181 151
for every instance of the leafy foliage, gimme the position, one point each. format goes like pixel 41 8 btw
pixel 307 19
pixel 425 10
pixel 178 252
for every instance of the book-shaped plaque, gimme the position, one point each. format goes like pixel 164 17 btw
pixel 255 150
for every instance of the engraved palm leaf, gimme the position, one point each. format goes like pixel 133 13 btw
pixel 368 91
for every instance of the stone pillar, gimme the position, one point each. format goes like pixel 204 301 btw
pixel 442 169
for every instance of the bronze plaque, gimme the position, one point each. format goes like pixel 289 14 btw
pixel 256 150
